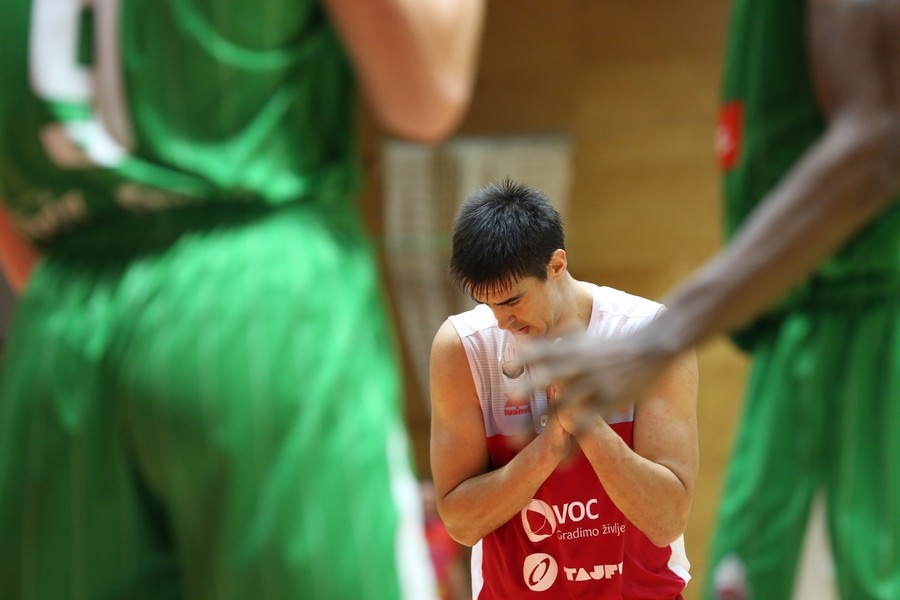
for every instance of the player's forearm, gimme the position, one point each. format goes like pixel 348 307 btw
pixel 481 504
pixel 416 58
pixel 844 182
pixel 650 495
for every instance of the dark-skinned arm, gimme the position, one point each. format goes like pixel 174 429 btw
pixel 845 180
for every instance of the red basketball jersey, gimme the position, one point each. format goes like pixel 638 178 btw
pixel 570 541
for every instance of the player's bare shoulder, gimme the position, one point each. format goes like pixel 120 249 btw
pixel 446 342
pixel 449 364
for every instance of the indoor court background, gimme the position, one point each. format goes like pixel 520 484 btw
pixel 632 86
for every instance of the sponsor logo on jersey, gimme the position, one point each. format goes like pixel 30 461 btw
pixel 538 520
pixel 541 520
pixel 594 573
pixel 516 406
pixel 729 132
pixel 540 571
pixel 54 214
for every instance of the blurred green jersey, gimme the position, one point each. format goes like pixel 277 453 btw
pixel 128 107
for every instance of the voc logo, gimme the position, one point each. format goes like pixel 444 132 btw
pixel 539 571
pixel 538 520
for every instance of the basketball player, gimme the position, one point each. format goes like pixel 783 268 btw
pixel 199 398
pixel 598 513
pixel 809 141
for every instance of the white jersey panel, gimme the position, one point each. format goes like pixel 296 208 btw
pixel 498 373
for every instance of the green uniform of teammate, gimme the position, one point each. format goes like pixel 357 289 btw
pixel 823 396
pixel 200 396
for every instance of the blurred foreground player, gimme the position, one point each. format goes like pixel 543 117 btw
pixel 809 140
pixel 199 398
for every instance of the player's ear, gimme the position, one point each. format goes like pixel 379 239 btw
pixel 557 265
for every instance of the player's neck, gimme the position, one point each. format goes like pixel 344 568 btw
pixel 577 302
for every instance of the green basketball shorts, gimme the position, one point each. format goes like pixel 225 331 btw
pixel 218 418
pixel 821 414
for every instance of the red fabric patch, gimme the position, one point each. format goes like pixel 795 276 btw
pixel 729 134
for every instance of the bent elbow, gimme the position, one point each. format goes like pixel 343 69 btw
pixel 458 527
pixel 424 113
pixel 421 133
pixel 667 530
pixel 461 536
pixel 424 125
pixel 664 537
pixel 666 533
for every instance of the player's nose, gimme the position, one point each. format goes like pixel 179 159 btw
pixel 505 319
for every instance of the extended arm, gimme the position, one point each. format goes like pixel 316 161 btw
pixel 843 182
pixel 652 484
pixel 473 500
pixel 846 179
pixel 416 59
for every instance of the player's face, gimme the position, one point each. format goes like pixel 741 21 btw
pixel 523 308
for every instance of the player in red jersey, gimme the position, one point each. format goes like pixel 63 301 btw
pixel 595 515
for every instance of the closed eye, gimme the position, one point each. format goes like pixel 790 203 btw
pixel 511 301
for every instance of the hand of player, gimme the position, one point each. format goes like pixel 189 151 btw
pixel 598 376
pixel 556 427
pixel 564 414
